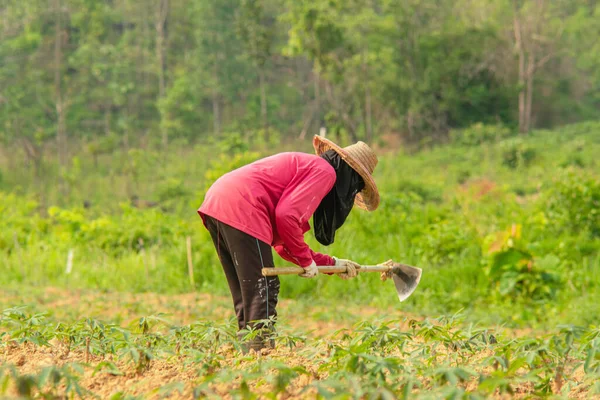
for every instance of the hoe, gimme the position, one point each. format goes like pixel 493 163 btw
pixel 405 277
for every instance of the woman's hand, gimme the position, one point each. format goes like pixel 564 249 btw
pixel 351 268
pixel 311 271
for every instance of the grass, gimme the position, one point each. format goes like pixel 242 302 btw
pixel 441 209
pixel 507 234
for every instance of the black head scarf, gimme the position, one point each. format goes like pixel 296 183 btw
pixel 336 205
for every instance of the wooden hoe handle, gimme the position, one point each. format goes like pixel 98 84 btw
pixel 322 269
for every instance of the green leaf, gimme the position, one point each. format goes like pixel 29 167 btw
pixel 591 355
pixel 168 389
pixel 507 258
pixel 515 365
pixel 107 367
pixel 508 282
pixel 548 262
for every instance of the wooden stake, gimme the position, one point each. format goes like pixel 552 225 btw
pixel 69 266
pixel 87 350
pixel 143 254
pixel 18 251
pixel 153 259
pixel 189 259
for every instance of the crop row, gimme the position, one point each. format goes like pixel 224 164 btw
pixel 438 358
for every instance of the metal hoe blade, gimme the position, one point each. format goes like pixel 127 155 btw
pixel 406 279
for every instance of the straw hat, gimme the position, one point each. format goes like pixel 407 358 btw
pixel 363 160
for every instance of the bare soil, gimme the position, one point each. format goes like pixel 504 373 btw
pixel 126 308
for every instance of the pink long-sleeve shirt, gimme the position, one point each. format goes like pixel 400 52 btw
pixel 272 199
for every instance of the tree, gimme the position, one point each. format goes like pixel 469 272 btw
pixel 210 84
pixel 27 97
pixel 162 12
pixel 255 29
pixel 541 37
pixel 582 30
pixel 84 70
pixel 61 104
pixel 318 31
pixel 407 62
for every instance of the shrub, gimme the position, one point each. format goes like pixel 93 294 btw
pixel 233 143
pixel 424 191
pixel 103 145
pixel 516 153
pixel 130 230
pixel 20 222
pixel 479 133
pixel 515 272
pixel 171 189
pixel 263 139
pixel 445 240
pixel 573 202
pixel 573 160
pixel 463 175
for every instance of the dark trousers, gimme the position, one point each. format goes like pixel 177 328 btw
pixel 243 256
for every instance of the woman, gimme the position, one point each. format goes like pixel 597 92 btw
pixel 268 204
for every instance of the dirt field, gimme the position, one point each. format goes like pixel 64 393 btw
pixel 184 375
pixel 126 308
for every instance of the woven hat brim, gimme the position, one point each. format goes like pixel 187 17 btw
pixel 368 198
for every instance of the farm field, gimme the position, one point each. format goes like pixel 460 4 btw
pixel 100 300
pixel 111 345
pixel 117 116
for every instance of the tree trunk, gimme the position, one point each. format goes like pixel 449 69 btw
pixel 139 74
pixel 34 156
pixel 216 105
pixel 263 102
pixel 521 51
pixel 318 97
pixel 216 113
pixel 369 112
pixel 529 97
pixel 4 21
pixel 338 106
pixel 143 42
pixel 161 19
pixel 315 109
pixel 107 119
pixel 368 107
pixel 307 123
pixel 410 124
pixel 61 134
